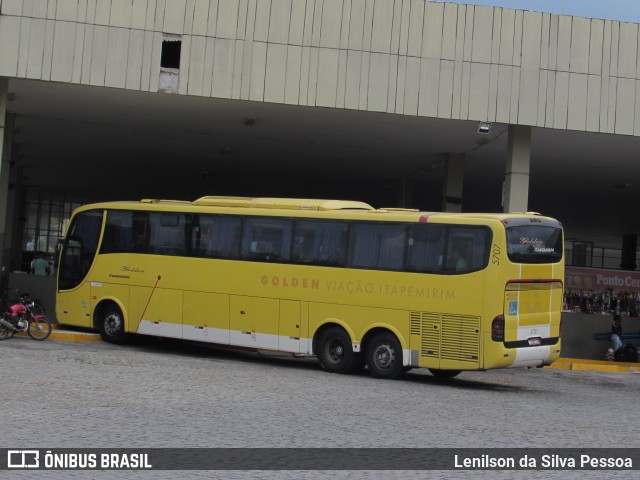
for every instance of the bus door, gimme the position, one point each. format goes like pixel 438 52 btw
pixel 76 259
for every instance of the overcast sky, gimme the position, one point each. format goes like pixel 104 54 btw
pixel 625 10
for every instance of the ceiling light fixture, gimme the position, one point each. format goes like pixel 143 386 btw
pixel 484 128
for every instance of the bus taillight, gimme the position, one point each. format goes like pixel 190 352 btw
pixel 497 329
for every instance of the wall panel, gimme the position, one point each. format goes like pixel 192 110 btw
pixel 222 75
pixel 275 76
pixel 23 46
pixel 64 39
pixel 382 26
pixel 331 23
pixel 174 16
pixel 9 31
pixel 134 60
pixel 258 67
pixel 577 107
pixel 117 53
pixel 625 106
pixel 292 77
pixel 480 75
pixel 593 103
pixel 580 32
pixel 432 38
pixel 196 65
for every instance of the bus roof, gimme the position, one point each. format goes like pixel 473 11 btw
pixel 283 203
pixel 269 205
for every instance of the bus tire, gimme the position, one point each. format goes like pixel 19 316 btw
pixel 436 372
pixel 111 323
pixel 335 351
pixel 384 356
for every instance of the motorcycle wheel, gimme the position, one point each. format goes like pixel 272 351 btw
pixel 4 332
pixel 39 329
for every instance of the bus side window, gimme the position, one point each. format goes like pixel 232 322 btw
pixel 426 248
pixel 377 246
pixel 320 242
pixel 124 232
pixel 267 239
pixel 467 249
pixel 217 237
pixel 167 233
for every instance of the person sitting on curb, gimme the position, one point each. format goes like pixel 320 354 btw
pixel 616 335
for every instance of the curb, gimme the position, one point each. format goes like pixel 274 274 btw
pixel 596 365
pixel 68 335
pixel 71 336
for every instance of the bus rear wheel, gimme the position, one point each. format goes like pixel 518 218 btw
pixel 444 373
pixel 111 324
pixel 384 356
pixel 335 351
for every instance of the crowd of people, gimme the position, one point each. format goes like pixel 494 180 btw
pixel 609 301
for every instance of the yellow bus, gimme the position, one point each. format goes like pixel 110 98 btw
pixel 389 289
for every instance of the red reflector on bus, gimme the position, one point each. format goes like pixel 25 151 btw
pixel 424 218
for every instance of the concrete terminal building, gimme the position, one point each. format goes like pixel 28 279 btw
pixel 395 102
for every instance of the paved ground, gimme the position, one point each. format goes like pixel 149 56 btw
pixel 155 393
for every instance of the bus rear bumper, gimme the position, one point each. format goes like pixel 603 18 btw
pixel 535 356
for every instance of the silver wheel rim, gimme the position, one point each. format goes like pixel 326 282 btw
pixel 112 324
pixel 335 350
pixel 384 356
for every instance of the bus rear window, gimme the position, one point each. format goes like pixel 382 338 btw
pixel 534 243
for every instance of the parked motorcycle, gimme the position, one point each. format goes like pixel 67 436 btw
pixel 24 316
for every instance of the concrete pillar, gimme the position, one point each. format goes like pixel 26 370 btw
pixel 516 181
pixel 454 178
pixel 629 250
pixel 5 149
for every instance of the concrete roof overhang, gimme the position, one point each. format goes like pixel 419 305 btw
pixel 98 143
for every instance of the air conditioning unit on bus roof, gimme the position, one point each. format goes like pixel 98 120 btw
pixel 283 203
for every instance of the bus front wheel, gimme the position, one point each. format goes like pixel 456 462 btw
pixel 335 351
pixel 384 356
pixel 111 324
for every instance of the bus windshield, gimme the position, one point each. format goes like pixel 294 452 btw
pixel 534 243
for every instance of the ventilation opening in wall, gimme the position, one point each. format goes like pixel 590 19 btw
pixel 170 63
pixel 170 53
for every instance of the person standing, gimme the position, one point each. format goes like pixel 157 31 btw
pixel 616 333
pixel 39 265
